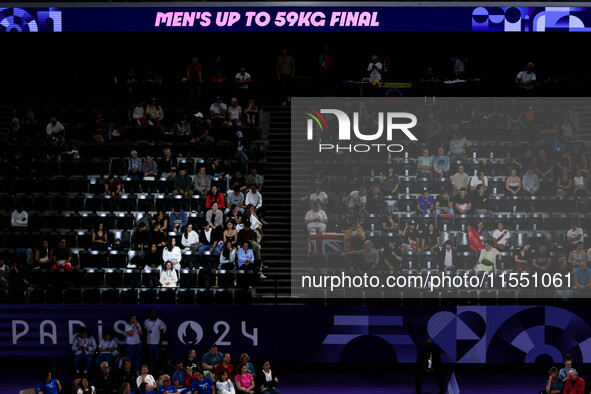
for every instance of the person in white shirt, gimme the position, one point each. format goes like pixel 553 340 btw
pixel 168 276
pixel 155 328
pixel 316 220
pixel 242 79
pixel 146 377
pixel 19 217
pixel 574 235
pixel 85 387
pixel 375 69
pixel 83 347
pixel 228 257
pixel 235 113
pixel 190 238
pixel 55 129
pixel 479 179
pixel 501 237
pixel 319 195
pixel 172 253
pixel 526 79
pixel 133 341
pixel 255 198
pixel 224 385
pixel 108 349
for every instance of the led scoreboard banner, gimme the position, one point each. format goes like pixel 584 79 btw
pixel 293 17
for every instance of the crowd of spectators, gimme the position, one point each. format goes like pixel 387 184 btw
pixel 139 364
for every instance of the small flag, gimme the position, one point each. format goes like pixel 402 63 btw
pixel 475 241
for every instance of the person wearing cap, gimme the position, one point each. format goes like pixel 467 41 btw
pixel 410 237
pixel 462 203
pixel 234 113
pixel 443 205
pixel 218 112
pixel 425 203
pixel 526 79
pixel 201 128
pixel 459 180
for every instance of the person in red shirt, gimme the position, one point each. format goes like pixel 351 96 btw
pixel 574 384
pixel 189 376
pixel 215 196
pixel 225 366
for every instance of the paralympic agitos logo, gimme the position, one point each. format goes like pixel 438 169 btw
pixel 387 123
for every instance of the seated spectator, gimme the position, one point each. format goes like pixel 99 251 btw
pixel 19 217
pixel 134 166
pixel 202 384
pixel 356 201
pixel 62 256
pixel 149 174
pixel 250 236
pixel 107 349
pixel 225 366
pixel 513 184
pixel 200 130
pixel 429 364
pixel 234 113
pixel 541 260
pixel 83 346
pixel 47 384
pixel 563 267
pixel 215 218
pixel 543 165
pixel 55 130
pixel 432 127
pixel 145 377
pixel 479 179
pixel 389 224
pixel 462 203
pixel 267 380
pixel 99 238
pixel 481 203
pixel 441 164
pixel 514 116
pixel 430 238
pixel 190 238
pixel 525 161
pixel 172 253
pixel 113 186
pixel 241 148
pixel 564 184
pixel 459 180
pixel 582 277
pixel 443 205
pixel 501 237
pixel 251 112
pixel 168 277
pixel 218 112
pixel 209 240
pixel 244 380
pixel 137 114
pixel 177 220
pixel 318 196
pixel 238 181
pixel 235 216
pixel 425 165
pixel 375 201
pixel 223 384
pixel 392 255
pixel 581 163
pixel 254 198
pixel 178 376
pixel 549 134
pixel 254 179
pixel 554 384
pixel 457 147
pixel 140 239
pixel 574 235
pixel 217 173
pixel 568 366
pixel 43 256
pixel 522 258
pixel 530 183
pixel 228 257
pixel 183 184
pixel 157 236
pixel 202 182
pixel 447 258
pixel 390 182
pixel 154 113
pixel 581 189
pixel 487 261
pixel 153 258
pixel 425 203
pixel 230 233
pixel 564 160
pixel 316 219
pixel 577 256
pixel 215 196
pixel 574 384
pixel 126 374
pixel 85 387
pixel 126 388
pixel 410 237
